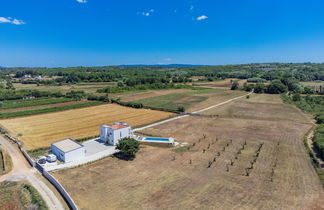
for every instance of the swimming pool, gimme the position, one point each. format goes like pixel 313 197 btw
pixel 156 139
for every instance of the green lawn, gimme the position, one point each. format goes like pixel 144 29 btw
pixel 173 101
pixel 11 104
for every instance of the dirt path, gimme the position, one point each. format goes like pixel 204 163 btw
pixel 21 170
pixel 183 116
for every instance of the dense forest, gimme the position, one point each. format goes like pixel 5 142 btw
pixel 271 78
pixel 146 74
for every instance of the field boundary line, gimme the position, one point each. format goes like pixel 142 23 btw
pixel 183 116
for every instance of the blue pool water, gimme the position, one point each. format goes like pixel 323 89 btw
pixel 156 139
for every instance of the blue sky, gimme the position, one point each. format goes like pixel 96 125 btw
pixel 106 32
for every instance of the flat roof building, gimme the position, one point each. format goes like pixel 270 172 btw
pixel 112 133
pixel 68 150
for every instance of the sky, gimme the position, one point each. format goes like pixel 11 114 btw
pixel 59 33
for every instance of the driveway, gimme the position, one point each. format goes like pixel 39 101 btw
pixel 95 150
pixel 21 171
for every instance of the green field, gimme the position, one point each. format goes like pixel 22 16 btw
pixel 46 110
pixel 173 101
pixel 11 104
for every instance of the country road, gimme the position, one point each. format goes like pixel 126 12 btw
pixel 183 116
pixel 21 171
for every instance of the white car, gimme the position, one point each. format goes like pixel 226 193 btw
pixel 51 158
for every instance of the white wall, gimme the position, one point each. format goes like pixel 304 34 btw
pixel 68 156
pixel 75 154
pixel 59 154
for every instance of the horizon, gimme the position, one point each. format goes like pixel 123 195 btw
pixel 101 33
pixel 181 65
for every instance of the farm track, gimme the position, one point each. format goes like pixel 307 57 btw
pixel 22 171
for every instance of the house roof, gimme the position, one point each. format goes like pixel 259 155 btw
pixel 67 145
pixel 116 126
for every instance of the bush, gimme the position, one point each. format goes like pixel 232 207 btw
pixel 128 147
pixel 296 97
pixel 181 109
pixel 260 88
pixel 277 87
pixel 319 118
pixel 35 197
pixel 235 85
pixel 319 140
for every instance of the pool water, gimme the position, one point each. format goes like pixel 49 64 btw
pixel 156 139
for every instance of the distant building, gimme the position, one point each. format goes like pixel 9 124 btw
pixel 38 78
pixel 112 133
pixel 68 150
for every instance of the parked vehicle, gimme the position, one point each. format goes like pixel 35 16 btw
pixel 51 158
pixel 42 160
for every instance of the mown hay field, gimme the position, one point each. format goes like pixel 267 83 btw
pixel 41 130
pixel 247 154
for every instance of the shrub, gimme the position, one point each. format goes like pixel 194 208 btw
pixel 181 109
pixel 319 140
pixel 128 147
pixel 256 80
pixel 319 118
pixel 235 85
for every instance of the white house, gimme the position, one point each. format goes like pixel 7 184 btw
pixel 68 150
pixel 112 133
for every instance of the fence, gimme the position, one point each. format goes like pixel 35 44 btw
pixel 61 189
pixel 29 159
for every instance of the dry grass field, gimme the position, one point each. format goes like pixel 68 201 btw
pixel 222 83
pixel 90 87
pixel 191 100
pixel 139 95
pixel 248 154
pixel 41 130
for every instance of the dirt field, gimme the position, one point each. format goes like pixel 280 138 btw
pixel 90 87
pixel 249 157
pixel 133 96
pixel 191 100
pixel 41 130
pixel 223 83
pixel 316 84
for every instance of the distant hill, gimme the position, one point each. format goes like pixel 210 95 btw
pixel 163 65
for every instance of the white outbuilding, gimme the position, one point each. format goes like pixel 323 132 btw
pixel 112 133
pixel 68 150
